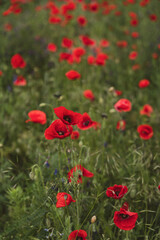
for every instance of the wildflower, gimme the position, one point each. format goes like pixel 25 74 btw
pixel 125 220
pixel 64 199
pixel 121 125
pixel 89 94
pixel 144 83
pixel 37 116
pixel 20 81
pixel 147 110
pixel 67 116
pixel 52 47
pixel 81 171
pixel 17 61
pixel 75 135
pixel 77 235
pixel 72 75
pixel 58 129
pixel 123 105
pixel 117 191
pixel 86 122
pixel 145 131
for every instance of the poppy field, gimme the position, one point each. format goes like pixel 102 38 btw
pixel 80 119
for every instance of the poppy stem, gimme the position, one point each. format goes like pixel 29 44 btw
pixel 127 233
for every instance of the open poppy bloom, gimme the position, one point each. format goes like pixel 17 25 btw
pixel 145 131
pixel 89 94
pixel 123 105
pixel 86 122
pixel 117 191
pixel 17 61
pixel 144 83
pixel 77 235
pixel 67 116
pixel 57 129
pixel 80 171
pixel 37 116
pixel 125 220
pixel 72 75
pixel 64 199
pixel 147 110
pixel 20 81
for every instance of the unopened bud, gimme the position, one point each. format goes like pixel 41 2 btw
pixel 93 219
pixel 111 89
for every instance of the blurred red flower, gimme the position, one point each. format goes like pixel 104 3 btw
pixel 117 191
pixel 133 55
pixel 89 94
pixel 82 20
pixel 52 47
pixel 123 105
pixel 67 43
pixel 121 125
pixel 75 135
pixel 64 199
pixel 125 220
pixel 153 17
pixel 17 61
pixel 20 81
pixel 58 129
pixel 77 235
pixel 68 117
pixel 80 171
pixel 147 110
pixel 72 75
pixel 37 116
pixel 144 83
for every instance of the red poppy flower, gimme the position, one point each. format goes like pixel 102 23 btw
pixel 80 171
pixel 86 122
pixel 72 75
pixel 67 43
pixel 145 131
pixel 58 130
pixel 136 67
pixel 55 20
pixel 147 110
pixel 123 105
pixel 8 27
pixel 122 44
pixel 89 95
pixel 64 199
pixel 82 20
pixel 153 17
pixel 93 7
pixel 91 60
pixel 133 55
pixel 121 125
pixel 104 43
pixel 154 55
pixel 20 81
pixel 67 116
pixel 1 73
pixel 117 191
pixel 118 92
pixel 144 83
pixel 37 116
pixel 125 220
pixel 75 135
pixel 77 235
pixel 135 34
pixel 159 187
pixel 87 41
pixel 134 22
pixel 79 51
pixel 52 47
pixel 17 61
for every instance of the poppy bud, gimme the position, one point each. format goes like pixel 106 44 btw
pixel 93 219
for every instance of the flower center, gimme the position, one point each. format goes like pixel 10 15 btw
pixel 67 118
pixel 79 238
pixel 117 193
pixel 60 133
pixel 86 123
pixel 124 216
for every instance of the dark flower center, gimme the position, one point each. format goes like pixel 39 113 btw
pixel 60 133
pixel 67 118
pixel 79 238
pixel 86 123
pixel 117 193
pixel 124 216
